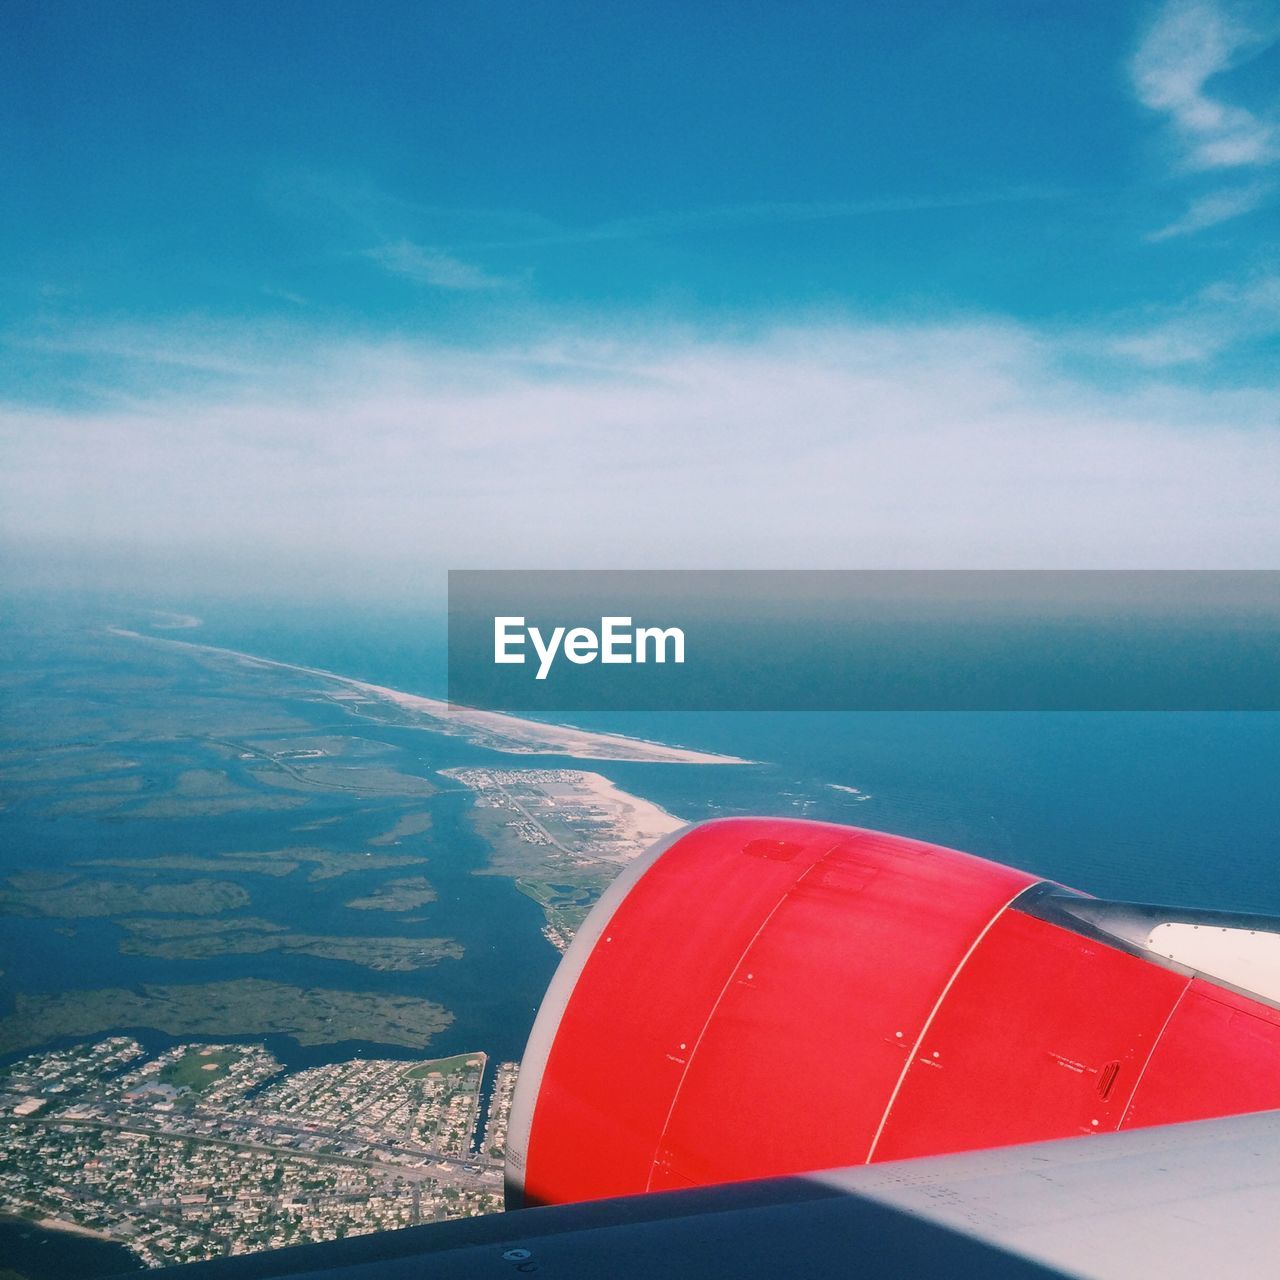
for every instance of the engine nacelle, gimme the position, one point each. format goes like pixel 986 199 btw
pixel 757 997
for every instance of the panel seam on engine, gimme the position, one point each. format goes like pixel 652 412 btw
pixel 928 1022
pixel 733 969
pixel 1155 1044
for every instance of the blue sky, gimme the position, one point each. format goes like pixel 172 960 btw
pixel 334 280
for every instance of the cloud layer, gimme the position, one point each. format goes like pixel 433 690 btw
pixel 319 466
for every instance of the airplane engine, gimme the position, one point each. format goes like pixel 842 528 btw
pixel 759 997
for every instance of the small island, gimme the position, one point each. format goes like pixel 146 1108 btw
pixel 243 1007
pixel 326 864
pixel 396 895
pixel 249 935
pixel 35 893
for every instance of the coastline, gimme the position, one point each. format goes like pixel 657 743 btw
pixel 52 1248
pixel 513 735
pixel 631 823
pixel 646 822
pixel 544 738
pixel 72 1229
pixel 63 1226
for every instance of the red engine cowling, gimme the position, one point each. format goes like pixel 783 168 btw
pixel 758 997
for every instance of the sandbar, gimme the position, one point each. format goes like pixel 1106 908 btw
pixel 512 734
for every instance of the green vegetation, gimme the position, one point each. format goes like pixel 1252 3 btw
pixel 561 897
pixel 446 1066
pixel 206 793
pixel 329 865
pixel 64 765
pixel 83 897
pixel 37 881
pixel 363 780
pixel 325 863
pixel 247 1006
pixel 199 1067
pixel 565 886
pixel 397 895
pixel 411 824
pixel 249 935
pixel 566 906
pixel 164 930
pixel 259 864
pixel 170 808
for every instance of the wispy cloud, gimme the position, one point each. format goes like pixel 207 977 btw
pixel 1218 318
pixel 1216 207
pixel 402 227
pixel 430 245
pixel 1190 44
pixel 431 267
pixel 284 295
pixel 769 213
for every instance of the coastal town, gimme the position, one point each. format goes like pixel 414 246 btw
pixel 206 1150
pixel 579 814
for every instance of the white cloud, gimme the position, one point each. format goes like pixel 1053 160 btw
pixel 368 213
pixel 373 468
pixel 765 213
pixel 1216 207
pixel 431 267
pixel 1218 318
pixel 1190 42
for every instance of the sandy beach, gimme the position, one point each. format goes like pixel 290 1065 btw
pixel 639 822
pixel 70 1228
pixel 620 825
pixel 495 729
pixel 533 736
